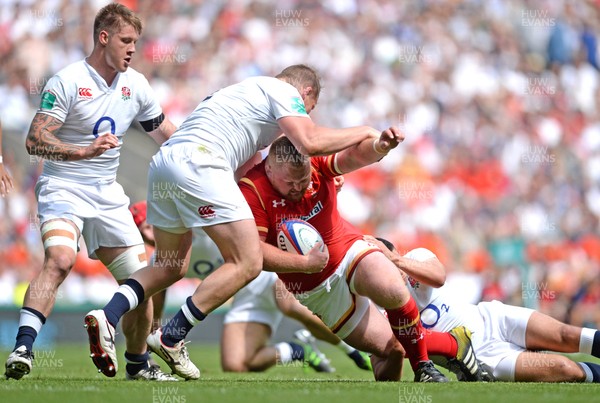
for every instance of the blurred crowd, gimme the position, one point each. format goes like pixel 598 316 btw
pixel 499 100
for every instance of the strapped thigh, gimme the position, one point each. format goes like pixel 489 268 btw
pixel 59 233
pixel 128 262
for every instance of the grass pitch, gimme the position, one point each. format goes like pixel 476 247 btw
pixel 66 374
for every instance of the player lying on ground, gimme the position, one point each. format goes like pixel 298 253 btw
pixel 518 344
pixel 255 313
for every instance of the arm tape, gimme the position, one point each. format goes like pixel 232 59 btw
pixel 153 124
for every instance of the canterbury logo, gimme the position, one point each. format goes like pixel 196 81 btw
pixel 85 93
pixel 206 211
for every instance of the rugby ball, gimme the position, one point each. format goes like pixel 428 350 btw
pixel 298 236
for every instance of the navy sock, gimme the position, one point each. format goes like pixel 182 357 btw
pixel 127 297
pixel 30 320
pixel 297 351
pixel 594 369
pixel 355 355
pixel 184 320
pixel 596 344
pixel 136 362
pixel 25 337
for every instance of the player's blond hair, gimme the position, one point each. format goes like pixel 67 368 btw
pixel 301 76
pixel 113 17
pixel 282 151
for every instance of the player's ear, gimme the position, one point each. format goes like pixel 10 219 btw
pixel 103 38
pixel 268 168
pixel 307 91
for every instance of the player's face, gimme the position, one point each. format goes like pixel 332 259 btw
pixel 290 181
pixel 120 48
pixel 309 103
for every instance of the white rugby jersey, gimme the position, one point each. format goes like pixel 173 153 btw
pixel 239 120
pixel 439 310
pixel 80 98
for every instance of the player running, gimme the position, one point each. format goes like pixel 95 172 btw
pixel 85 110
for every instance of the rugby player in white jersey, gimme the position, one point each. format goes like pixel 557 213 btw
pixel 255 314
pixel 85 110
pixel 517 344
pixel 198 165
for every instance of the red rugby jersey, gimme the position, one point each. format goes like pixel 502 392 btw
pixel 318 207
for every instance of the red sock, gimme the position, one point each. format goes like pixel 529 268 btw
pixel 441 344
pixel 407 328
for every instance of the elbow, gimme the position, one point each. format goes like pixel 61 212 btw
pixel 308 143
pixel 440 278
pixel 310 148
pixel 439 282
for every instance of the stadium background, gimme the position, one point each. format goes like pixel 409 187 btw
pixel 499 173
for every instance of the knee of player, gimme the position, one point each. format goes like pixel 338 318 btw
pixel 58 265
pixel 393 350
pixel 234 366
pixel 569 336
pixel 252 267
pixel 570 371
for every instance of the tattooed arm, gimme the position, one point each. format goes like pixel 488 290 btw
pixel 42 141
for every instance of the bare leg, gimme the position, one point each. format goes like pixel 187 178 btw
pixel 58 261
pixel 137 323
pixel 244 347
pixel 158 300
pixel 295 310
pixel 172 258
pixel 239 245
pixel 379 279
pixel 542 367
pixel 546 333
pixel 374 335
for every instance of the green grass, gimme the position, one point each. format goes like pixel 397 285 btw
pixel 65 374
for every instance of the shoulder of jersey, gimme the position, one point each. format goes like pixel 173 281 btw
pixel 72 71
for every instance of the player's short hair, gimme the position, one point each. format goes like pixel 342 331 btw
pixel 113 17
pixel 282 151
pixel 387 243
pixel 302 76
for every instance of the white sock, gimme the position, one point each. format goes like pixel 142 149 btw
pixel 284 353
pixel 128 293
pixel 589 377
pixel 27 318
pixel 586 341
pixel 346 348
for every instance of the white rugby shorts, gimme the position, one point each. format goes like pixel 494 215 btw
pixel 503 337
pixel 256 303
pixel 190 186
pixel 100 211
pixel 335 300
